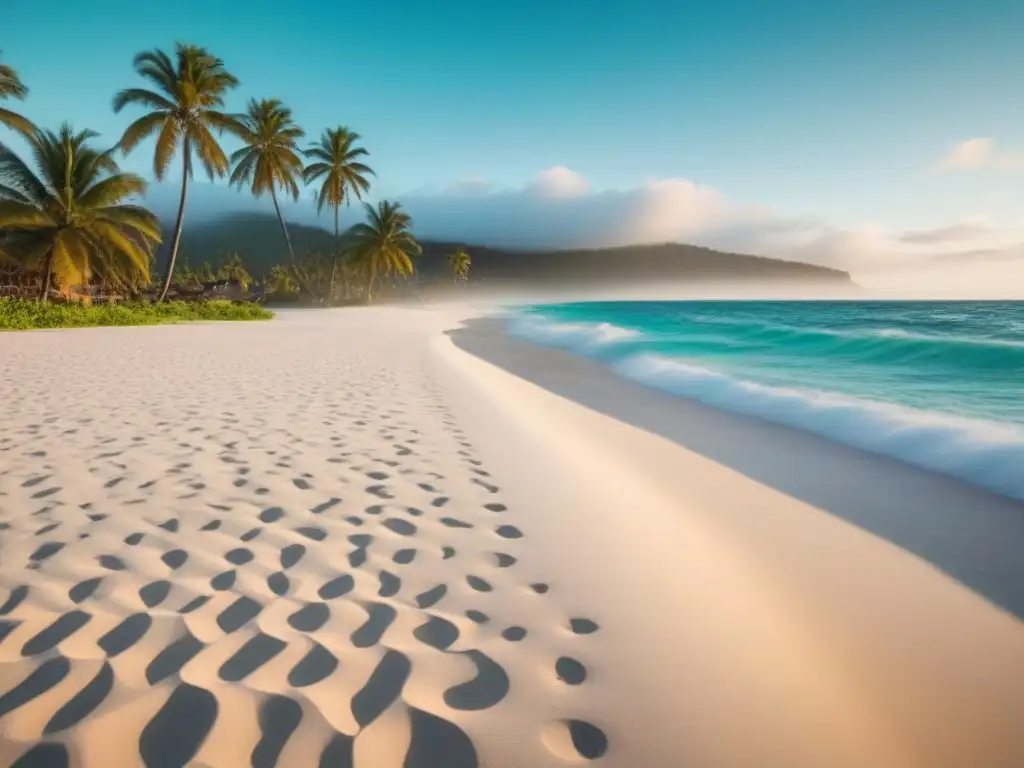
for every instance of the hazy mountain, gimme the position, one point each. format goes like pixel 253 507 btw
pixel 257 238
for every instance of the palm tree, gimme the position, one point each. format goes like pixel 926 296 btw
pixel 338 164
pixel 189 92
pixel 69 220
pixel 460 262
pixel 384 245
pixel 187 275
pixel 206 273
pixel 343 174
pixel 11 87
pixel 269 158
pixel 234 269
pixel 279 281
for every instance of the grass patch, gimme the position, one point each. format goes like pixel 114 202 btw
pixel 23 314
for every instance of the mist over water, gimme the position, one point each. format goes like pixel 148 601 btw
pixel 937 384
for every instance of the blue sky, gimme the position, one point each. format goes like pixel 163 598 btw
pixel 835 112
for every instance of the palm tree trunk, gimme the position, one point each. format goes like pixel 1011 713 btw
pixel 300 276
pixel 337 256
pixel 372 283
pixel 284 227
pixel 44 289
pixel 186 153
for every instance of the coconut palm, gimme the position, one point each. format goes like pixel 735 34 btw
pixel 11 87
pixel 337 163
pixel 269 158
pixel 187 275
pixel 206 273
pixel 384 244
pixel 460 262
pixel 234 269
pixel 343 175
pixel 280 281
pixel 185 110
pixel 67 220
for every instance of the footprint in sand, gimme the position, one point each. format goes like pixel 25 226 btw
pixel 570 671
pixel 508 532
pixel 583 626
pixel 575 739
pixel 514 634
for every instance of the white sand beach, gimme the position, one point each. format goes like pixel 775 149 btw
pixel 387 538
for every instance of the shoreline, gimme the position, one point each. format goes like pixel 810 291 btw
pixel 867 489
pixel 858 633
pixel 289 493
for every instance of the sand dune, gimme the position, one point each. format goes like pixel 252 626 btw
pixel 337 539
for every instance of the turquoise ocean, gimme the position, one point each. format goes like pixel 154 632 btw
pixel 936 384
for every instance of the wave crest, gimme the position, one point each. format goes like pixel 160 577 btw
pixel 981 452
pixel 582 337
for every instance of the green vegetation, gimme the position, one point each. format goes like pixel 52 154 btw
pixel 460 262
pixel 11 87
pixel 234 269
pixel 384 246
pixel 25 314
pixel 66 228
pixel 68 221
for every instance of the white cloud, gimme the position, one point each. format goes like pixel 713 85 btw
pixel 977 154
pixel 560 182
pixel 972 153
pixel 959 232
pixel 560 209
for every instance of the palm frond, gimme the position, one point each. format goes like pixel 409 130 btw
pixel 270 159
pixel 133 217
pixel 17 122
pixel 112 190
pixel 11 86
pixel 16 175
pixel 145 126
pixel 18 215
pixel 166 143
pixel 69 218
pixel 70 258
pixel 225 123
pixel 157 67
pixel 142 98
pixel 214 161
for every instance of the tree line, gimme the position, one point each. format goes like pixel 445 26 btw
pixel 69 221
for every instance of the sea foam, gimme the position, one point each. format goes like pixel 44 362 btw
pixel 581 337
pixel 985 453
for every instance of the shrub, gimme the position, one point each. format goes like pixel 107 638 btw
pixel 24 314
